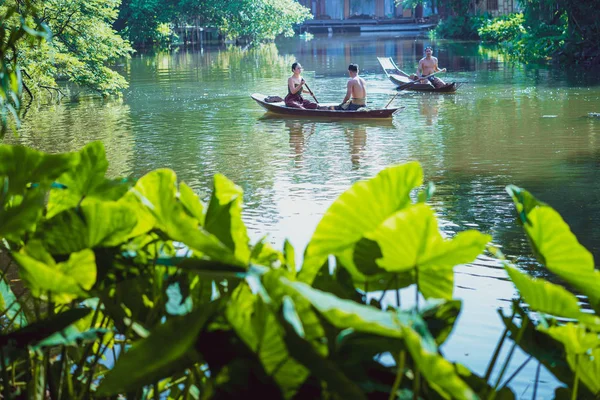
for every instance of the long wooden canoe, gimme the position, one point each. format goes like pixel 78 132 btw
pixel 281 109
pixel 399 77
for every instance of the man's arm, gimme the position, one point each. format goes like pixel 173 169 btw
pixel 436 68
pixel 420 69
pixel 348 92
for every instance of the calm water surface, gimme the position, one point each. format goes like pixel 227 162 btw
pixel 190 111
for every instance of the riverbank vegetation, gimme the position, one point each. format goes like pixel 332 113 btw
pixel 141 288
pixel 562 31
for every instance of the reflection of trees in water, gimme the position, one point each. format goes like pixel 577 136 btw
pixel 235 61
pixel 71 125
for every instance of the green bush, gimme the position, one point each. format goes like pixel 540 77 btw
pixel 501 29
pixel 459 27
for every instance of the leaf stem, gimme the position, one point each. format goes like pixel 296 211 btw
pixel 399 375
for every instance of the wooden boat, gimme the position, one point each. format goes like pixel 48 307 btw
pixel 399 77
pixel 281 109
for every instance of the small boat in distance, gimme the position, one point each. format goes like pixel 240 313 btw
pixel 280 108
pixel 399 77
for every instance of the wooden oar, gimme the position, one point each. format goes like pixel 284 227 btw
pixel 311 93
pixel 404 86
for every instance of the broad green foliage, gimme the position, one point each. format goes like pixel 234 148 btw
pixel 224 217
pixel 358 211
pixel 86 183
pixel 438 371
pixel 62 282
pixel 173 290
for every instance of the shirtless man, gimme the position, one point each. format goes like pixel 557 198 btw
pixel 427 66
pixel 356 95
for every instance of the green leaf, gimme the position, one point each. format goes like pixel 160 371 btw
pixel 481 386
pixel 23 165
pixel 553 242
pixel 440 316
pixel 154 198
pixel 9 305
pixel 258 327
pixel 323 368
pixel 191 202
pixel 85 182
pixel 96 224
pixel 410 239
pixel 65 281
pixel 439 372
pixel 22 216
pixel 555 246
pixel 549 298
pixel 357 211
pixel 168 349
pixel 583 352
pixel 224 217
pixel 349 314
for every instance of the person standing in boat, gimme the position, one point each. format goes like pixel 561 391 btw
pixel 296 83
pixel 427 66
pixel 356 93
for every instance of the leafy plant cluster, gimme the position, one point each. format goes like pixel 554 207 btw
pixel 79 46
pixel 141 289
pixel 459 27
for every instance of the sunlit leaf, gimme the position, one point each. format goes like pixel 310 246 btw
pixel 438 371
pixel 21 216
pixel 85 182
pixel 553 242
pixel 224 217
pixel 258 327
pixel 410 239
pixel 23 165
pixel 349 314
pixel 154 198
pixel 191 202
pixel 357 211
pixel 544 296
pixel 64 281
pixel 96 224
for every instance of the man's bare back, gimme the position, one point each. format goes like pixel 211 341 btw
pixel 358 87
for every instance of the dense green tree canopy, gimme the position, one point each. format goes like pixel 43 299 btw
pixel 254 20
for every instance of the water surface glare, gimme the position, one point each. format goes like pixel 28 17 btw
pixel 190 110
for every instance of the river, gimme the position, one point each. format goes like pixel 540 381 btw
pixel 509 123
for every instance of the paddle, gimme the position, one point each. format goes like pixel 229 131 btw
pixel 404 86
pixel 310 91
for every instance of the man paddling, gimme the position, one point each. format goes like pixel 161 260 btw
pixel 427 66
pixel 356 93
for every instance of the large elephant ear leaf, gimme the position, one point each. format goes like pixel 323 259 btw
pixel 224 217
pixel 23 166
pixel 410 240
pixel 86 182
pixel 438 371
pixel 256 324
pixel 359 210
pixel 556 246
pixel 552 240
pixel 154 198
pixel 96 224
pixel 546 297
pixel 63 281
